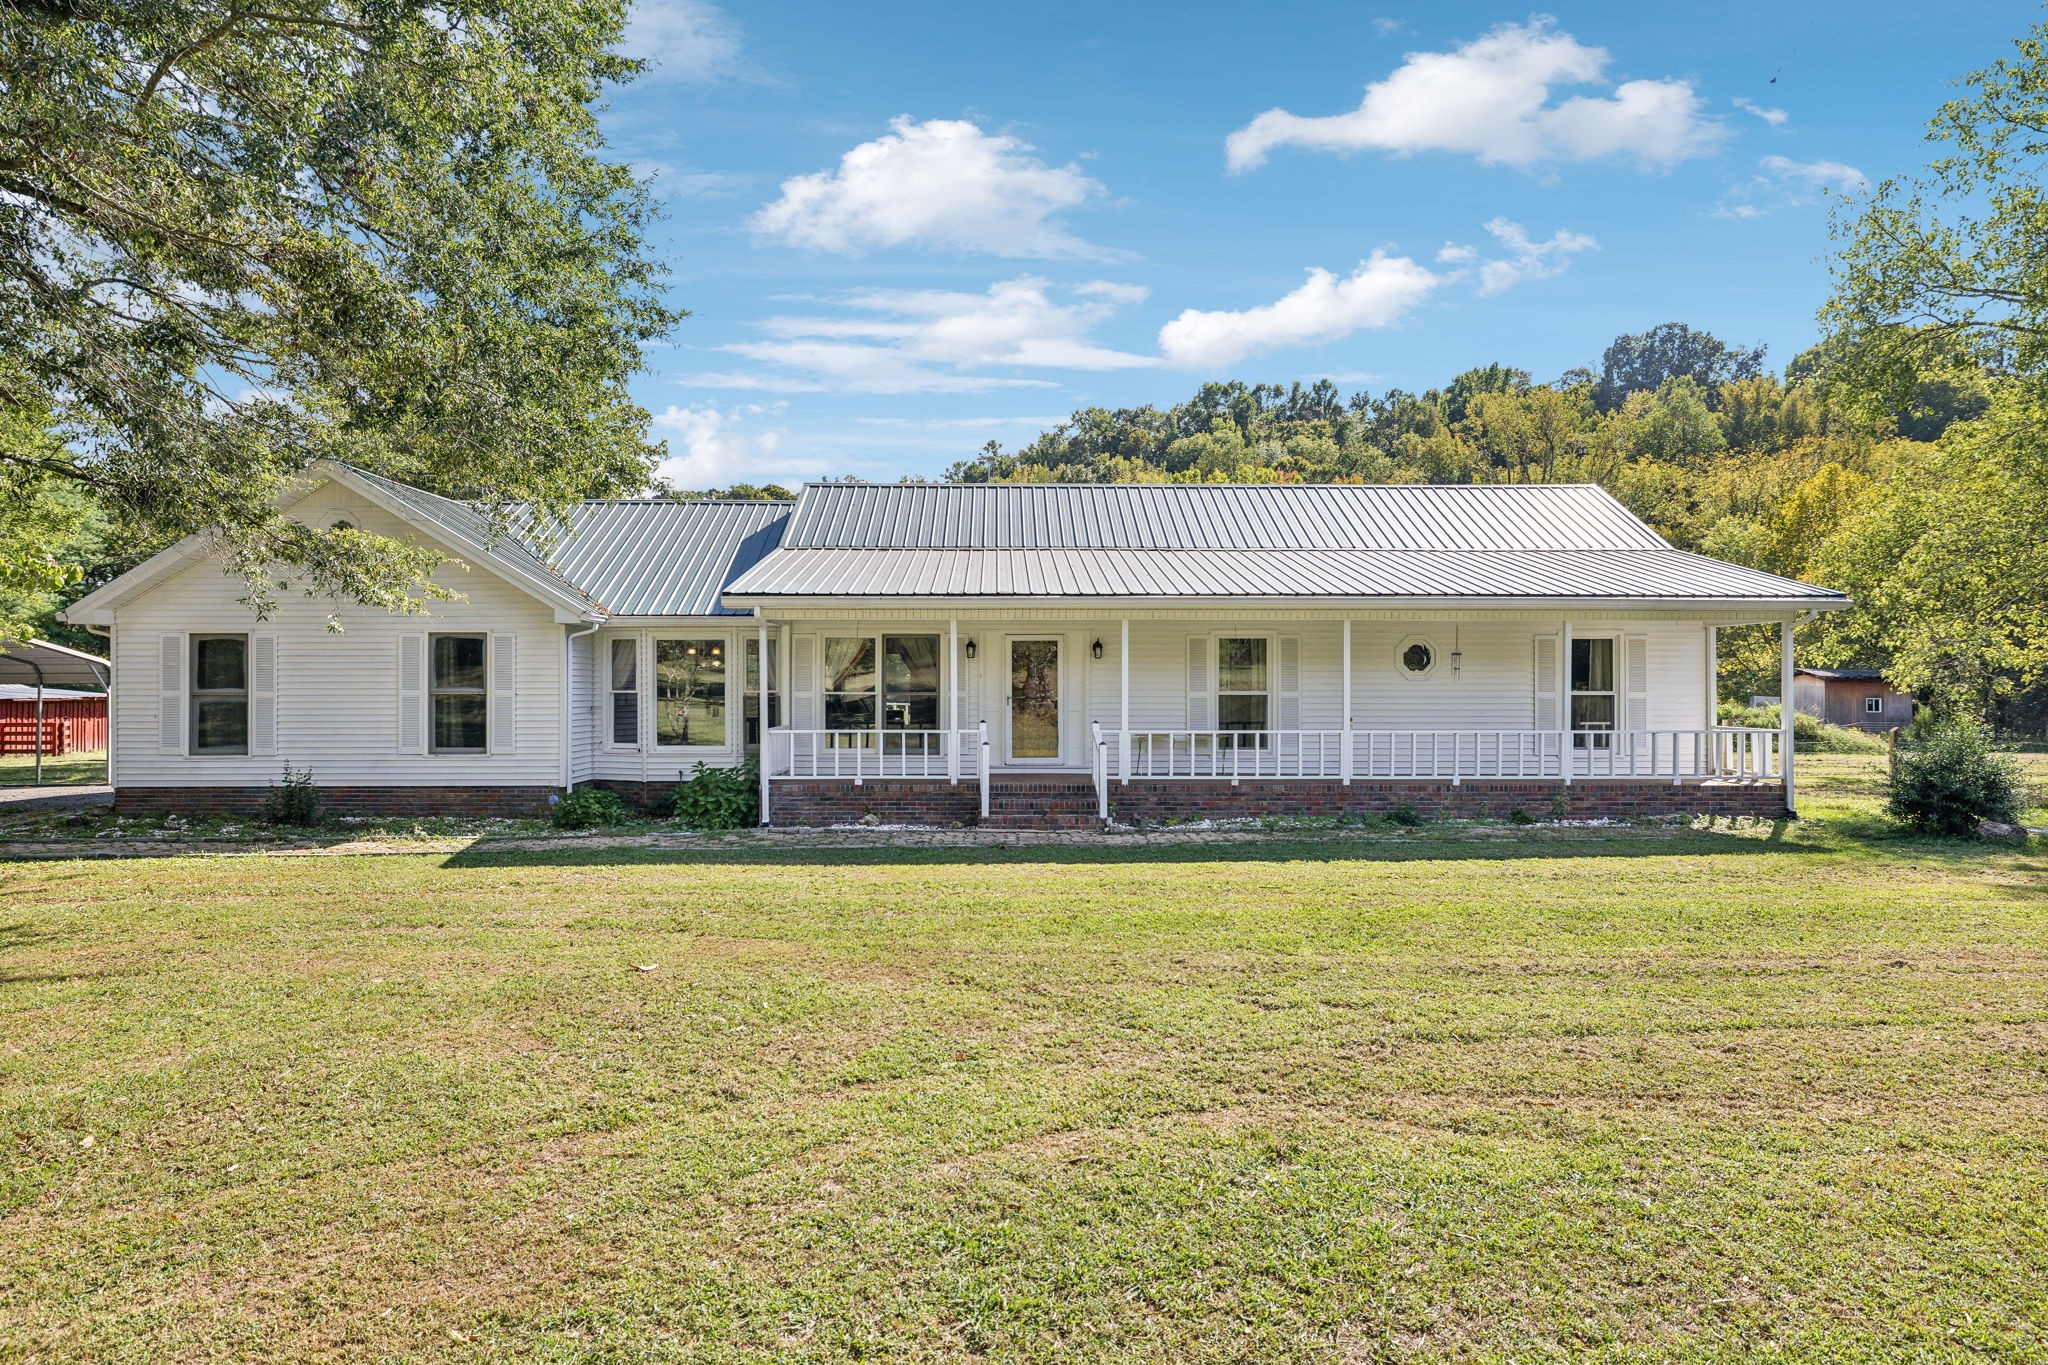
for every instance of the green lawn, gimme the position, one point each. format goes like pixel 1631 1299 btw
pixel 63 770
pixel 1601 1095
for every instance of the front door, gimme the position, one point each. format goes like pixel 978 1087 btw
pixel 1034 702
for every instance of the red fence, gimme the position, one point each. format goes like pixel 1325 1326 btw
pixel 70 725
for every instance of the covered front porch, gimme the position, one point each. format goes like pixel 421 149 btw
pixel 1066 720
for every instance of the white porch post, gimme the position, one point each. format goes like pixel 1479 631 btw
pixel 766 679
pixel 953 701
pixel 1564 701
pixel 1123 712
pixel 1785 712
pixel 1713 676
pixel 1344 756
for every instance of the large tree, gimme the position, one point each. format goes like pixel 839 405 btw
pixel 237 236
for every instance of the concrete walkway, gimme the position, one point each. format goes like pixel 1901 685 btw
pixel 25 800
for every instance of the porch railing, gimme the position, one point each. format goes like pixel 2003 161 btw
pixel 1446 755
pixel 865 755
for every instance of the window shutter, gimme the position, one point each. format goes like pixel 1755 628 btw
pixel 1289 709
pixel 412 693
pixel 504 682
pixel 1635 681
pixel 1545 673
pixel 803 682
pixel 170 689
pixel 262 694
pixel 1201 712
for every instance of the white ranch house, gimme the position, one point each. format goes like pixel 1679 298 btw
pixel 1008 655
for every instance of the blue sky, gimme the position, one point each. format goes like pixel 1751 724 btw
pixel 903 236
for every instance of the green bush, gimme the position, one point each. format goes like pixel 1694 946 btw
pixel 587 808
pixel 720 798
pixel 1405 815
pixel 1946 776
pixel 1810 735
pixel 293 800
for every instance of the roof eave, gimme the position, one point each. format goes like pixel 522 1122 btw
pixel 765 601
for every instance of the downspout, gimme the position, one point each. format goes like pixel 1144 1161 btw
pixel 108 632
pixel 569 698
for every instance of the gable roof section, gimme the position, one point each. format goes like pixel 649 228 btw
pixel 1205 541
pixel 657 557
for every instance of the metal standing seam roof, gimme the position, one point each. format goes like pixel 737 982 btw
pixel 470 526
pixel 1215 517
pixel 1223 541
pixel 657 557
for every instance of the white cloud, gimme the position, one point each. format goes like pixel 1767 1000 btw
pixel 943 183
pixel 1528 260
pixel 1782 183
pixel 1774 117
pixel 684 40
pixel 938 341
pixel 1383 290
pixel 1491 99
pixel 725 446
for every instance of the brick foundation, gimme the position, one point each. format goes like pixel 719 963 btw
pixel 1163 802
pixel 509 802
pixel 891 803
pixel 648 798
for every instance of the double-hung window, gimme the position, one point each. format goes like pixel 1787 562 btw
pixel 458 694
pixel 1593 695
pixel 1244 691
pixel 625 690
pixel 689 692
pixel 882 682
pixel 1873 706
pixel 763 698
pixel 220 694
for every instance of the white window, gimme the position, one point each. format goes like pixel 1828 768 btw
pixel 901 692
pixel 220 694
pixel 458 694
pixel 1873 705
pixel 1416 656
pixel 689 692
pixel 1593 692
pixel 625 689
pixel 753 699
pixel 1244 689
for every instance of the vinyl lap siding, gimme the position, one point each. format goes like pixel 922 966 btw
pixel 337 694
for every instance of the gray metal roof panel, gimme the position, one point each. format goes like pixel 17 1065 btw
pixel 1216 517
pixel 656 557
pixel 1653 574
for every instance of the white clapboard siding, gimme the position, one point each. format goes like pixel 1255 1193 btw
pixel 335 706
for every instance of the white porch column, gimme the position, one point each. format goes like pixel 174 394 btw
pixel 953 701
pixel 1713 676
pixel 1123 723
pixel 1344 759
pixel 1564 701
pixel 1785 712
pixel 761 664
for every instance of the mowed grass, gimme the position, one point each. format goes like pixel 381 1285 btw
pixel 83 768
pixel 1594 1095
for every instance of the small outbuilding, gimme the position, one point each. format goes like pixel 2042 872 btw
pixel 1855 698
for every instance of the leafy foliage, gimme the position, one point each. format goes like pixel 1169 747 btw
pixel 293 800
pixel 234 240
pixel 720 798
pixel 1946 777
pixel 1810 734
pixel 588 808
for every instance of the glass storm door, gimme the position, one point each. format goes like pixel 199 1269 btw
pixel 1034 701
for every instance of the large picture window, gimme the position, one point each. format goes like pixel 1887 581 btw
pixel 756 696
pixel 625 688
pixel 888 682
pixel 1244 691
pixel 220 694
pixel 689 692
pixel 458 694
pixel 1593 696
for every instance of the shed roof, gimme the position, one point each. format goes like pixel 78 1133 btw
pixel 1843 674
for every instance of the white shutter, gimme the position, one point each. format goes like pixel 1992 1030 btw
pixel 1545 674
pixel 504 682
pixel 170 690
pixel 1201 711
pixel 262 694
pixel 803 683
pixel 412 693
pixel 1635 681
pixel 1290 684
